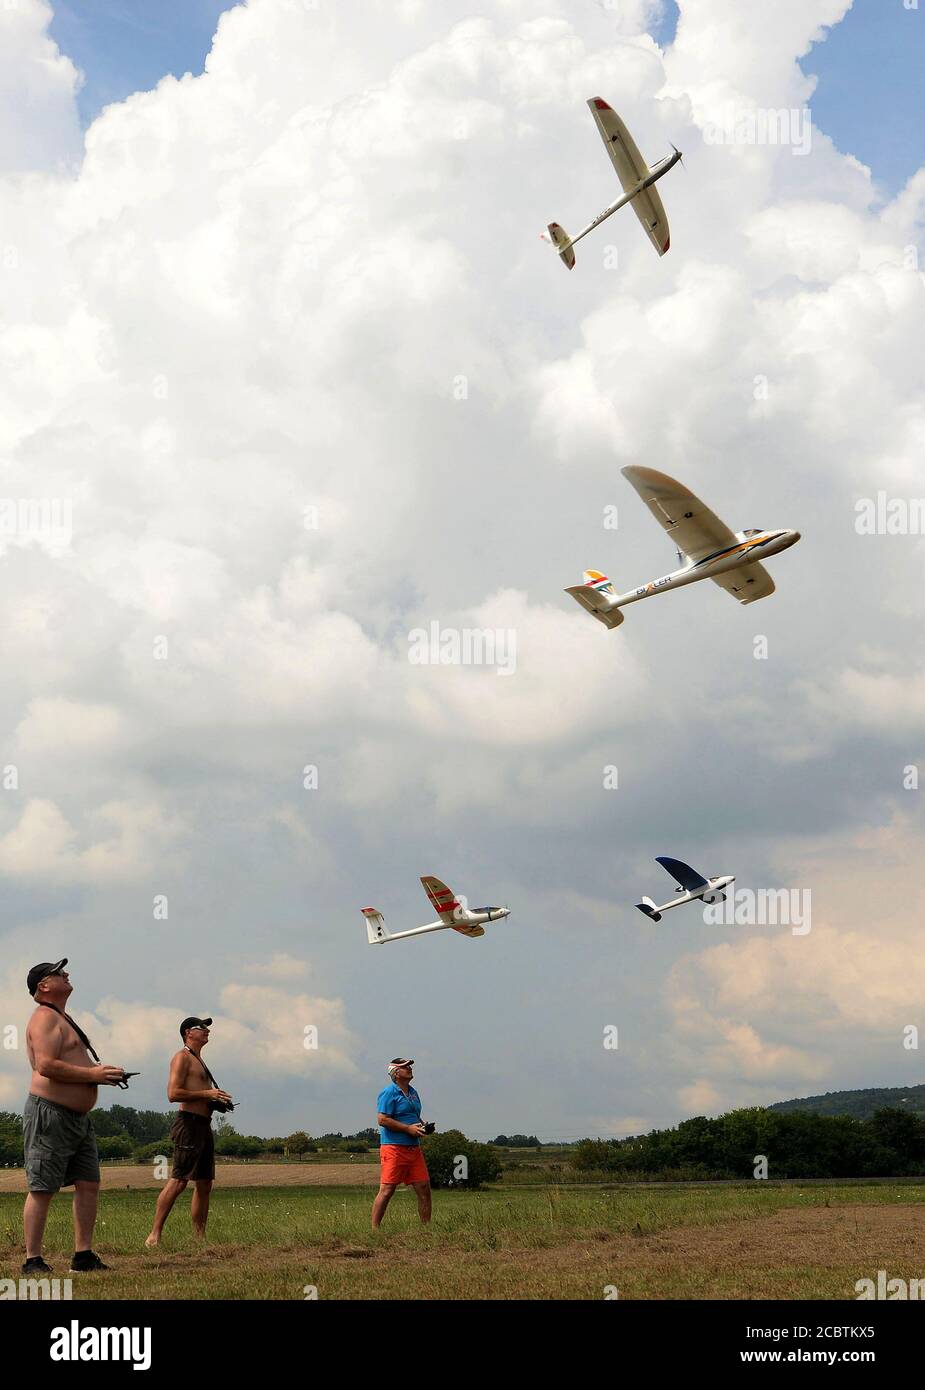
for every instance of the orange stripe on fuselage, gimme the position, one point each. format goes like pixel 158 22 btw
pixel 742 546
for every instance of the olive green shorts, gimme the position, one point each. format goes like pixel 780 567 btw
pixel 59 1144
pixel 193 1147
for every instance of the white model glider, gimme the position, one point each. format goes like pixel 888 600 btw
pixel 691 886
pixel 638 182
pixel 452 911
pixel 706 547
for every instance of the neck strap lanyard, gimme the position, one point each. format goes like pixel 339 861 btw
pixel 76 1027
pixel 123 1084
pixel 203 1065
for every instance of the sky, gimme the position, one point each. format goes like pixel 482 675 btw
pixel 868 97
pixel 126 46
pixel 284 359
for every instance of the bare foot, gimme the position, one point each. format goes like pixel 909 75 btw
pixel 152 1241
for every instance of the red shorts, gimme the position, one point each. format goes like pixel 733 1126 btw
pixel 402 1163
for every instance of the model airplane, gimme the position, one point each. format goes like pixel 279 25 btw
pixel 706 547
pixel 638 182
pixel 452 911
pixel 691 886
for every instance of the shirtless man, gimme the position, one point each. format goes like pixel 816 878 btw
pixel 193 1147
pixel 58 1137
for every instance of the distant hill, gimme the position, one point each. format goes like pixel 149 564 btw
pixel 860 1104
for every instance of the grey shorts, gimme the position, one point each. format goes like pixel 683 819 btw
pixel 60 1146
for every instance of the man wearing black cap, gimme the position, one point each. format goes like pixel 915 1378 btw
pixel 58 1137
pixel 193 1085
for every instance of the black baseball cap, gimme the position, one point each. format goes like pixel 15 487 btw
pixel 402 1062
pixel 194 1023
pixel 40 972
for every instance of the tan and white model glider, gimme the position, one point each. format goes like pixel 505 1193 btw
pixel 706 547
pixel 451 911
pixel 638 182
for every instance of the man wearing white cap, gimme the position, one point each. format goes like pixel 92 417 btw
pixel 400 1131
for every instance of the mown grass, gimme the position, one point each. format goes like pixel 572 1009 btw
pixel 551 1243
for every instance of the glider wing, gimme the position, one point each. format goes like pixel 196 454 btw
pixel 695 530
pixel 442 899
pixel 682 873
pixel 746 583
pixel 631 169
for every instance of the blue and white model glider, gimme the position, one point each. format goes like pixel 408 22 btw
pixel 691 886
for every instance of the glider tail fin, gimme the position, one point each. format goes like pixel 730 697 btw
pixel 596 595
pixel 563 244
pixel 376 930
pixel 648 907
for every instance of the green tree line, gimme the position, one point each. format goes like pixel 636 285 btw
pixel 515 1141
pixel 796 1144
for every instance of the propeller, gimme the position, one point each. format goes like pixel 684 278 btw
pixel 679 154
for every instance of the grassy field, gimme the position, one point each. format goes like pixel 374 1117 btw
pixel 754 1241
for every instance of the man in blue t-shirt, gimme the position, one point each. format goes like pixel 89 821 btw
pixel 398 1109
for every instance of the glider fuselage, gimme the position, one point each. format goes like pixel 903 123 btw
pixel 464 917
pixel 657 173
pixel 746 549
pixel 710 892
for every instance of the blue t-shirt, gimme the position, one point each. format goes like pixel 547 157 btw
pixel 405 1108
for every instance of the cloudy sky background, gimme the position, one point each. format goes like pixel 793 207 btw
pixel 256 291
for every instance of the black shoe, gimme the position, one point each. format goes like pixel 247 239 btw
pixel 36 1265
pixel 84 1261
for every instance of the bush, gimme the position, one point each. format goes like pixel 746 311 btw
pixel 443 1152
pixel 114 1146
pixel 144 1126
pixel 238 1145
pixel 902 1135
pixel 593 1154
pixel 11 1151
pixel 298 1144
pixel 147 1153
pixel 11 1154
